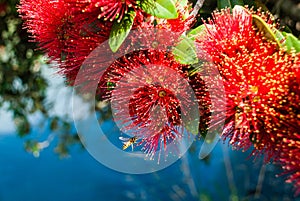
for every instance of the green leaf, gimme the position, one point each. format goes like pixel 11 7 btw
pixel 185 51
pixel 120 31
pixel 283 39
pixel 291 42
pixel 183 3
pixel 229 3
pixel 161 8
pixel 272 35
pixel 111 85
pixel 196 32
pixel 279 37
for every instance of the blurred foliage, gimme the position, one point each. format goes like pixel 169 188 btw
pixel 22 86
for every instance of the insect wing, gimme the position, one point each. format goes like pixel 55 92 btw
pixel 124 139
pixel 126 145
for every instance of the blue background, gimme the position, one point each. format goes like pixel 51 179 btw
pixel 80 177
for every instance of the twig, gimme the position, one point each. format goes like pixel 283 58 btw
pixel 186 168
pixel 260 181
pixel 229 171
pixel 197 7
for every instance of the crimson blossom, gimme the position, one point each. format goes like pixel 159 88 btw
pixel 261 82
pixel 150 94
pixel 67 35
pixel 50 23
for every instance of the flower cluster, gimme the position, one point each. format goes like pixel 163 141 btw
pixel 261 82
pixel 151 89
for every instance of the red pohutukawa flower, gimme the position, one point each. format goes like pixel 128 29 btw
pixel 262 87
pixel 64 33
pixel 50 23
pixel 242 56
pixel 183 22
pixel 156 33
pixel 91 35
pixel 149 92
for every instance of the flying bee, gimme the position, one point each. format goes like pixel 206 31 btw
pixel 128 142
